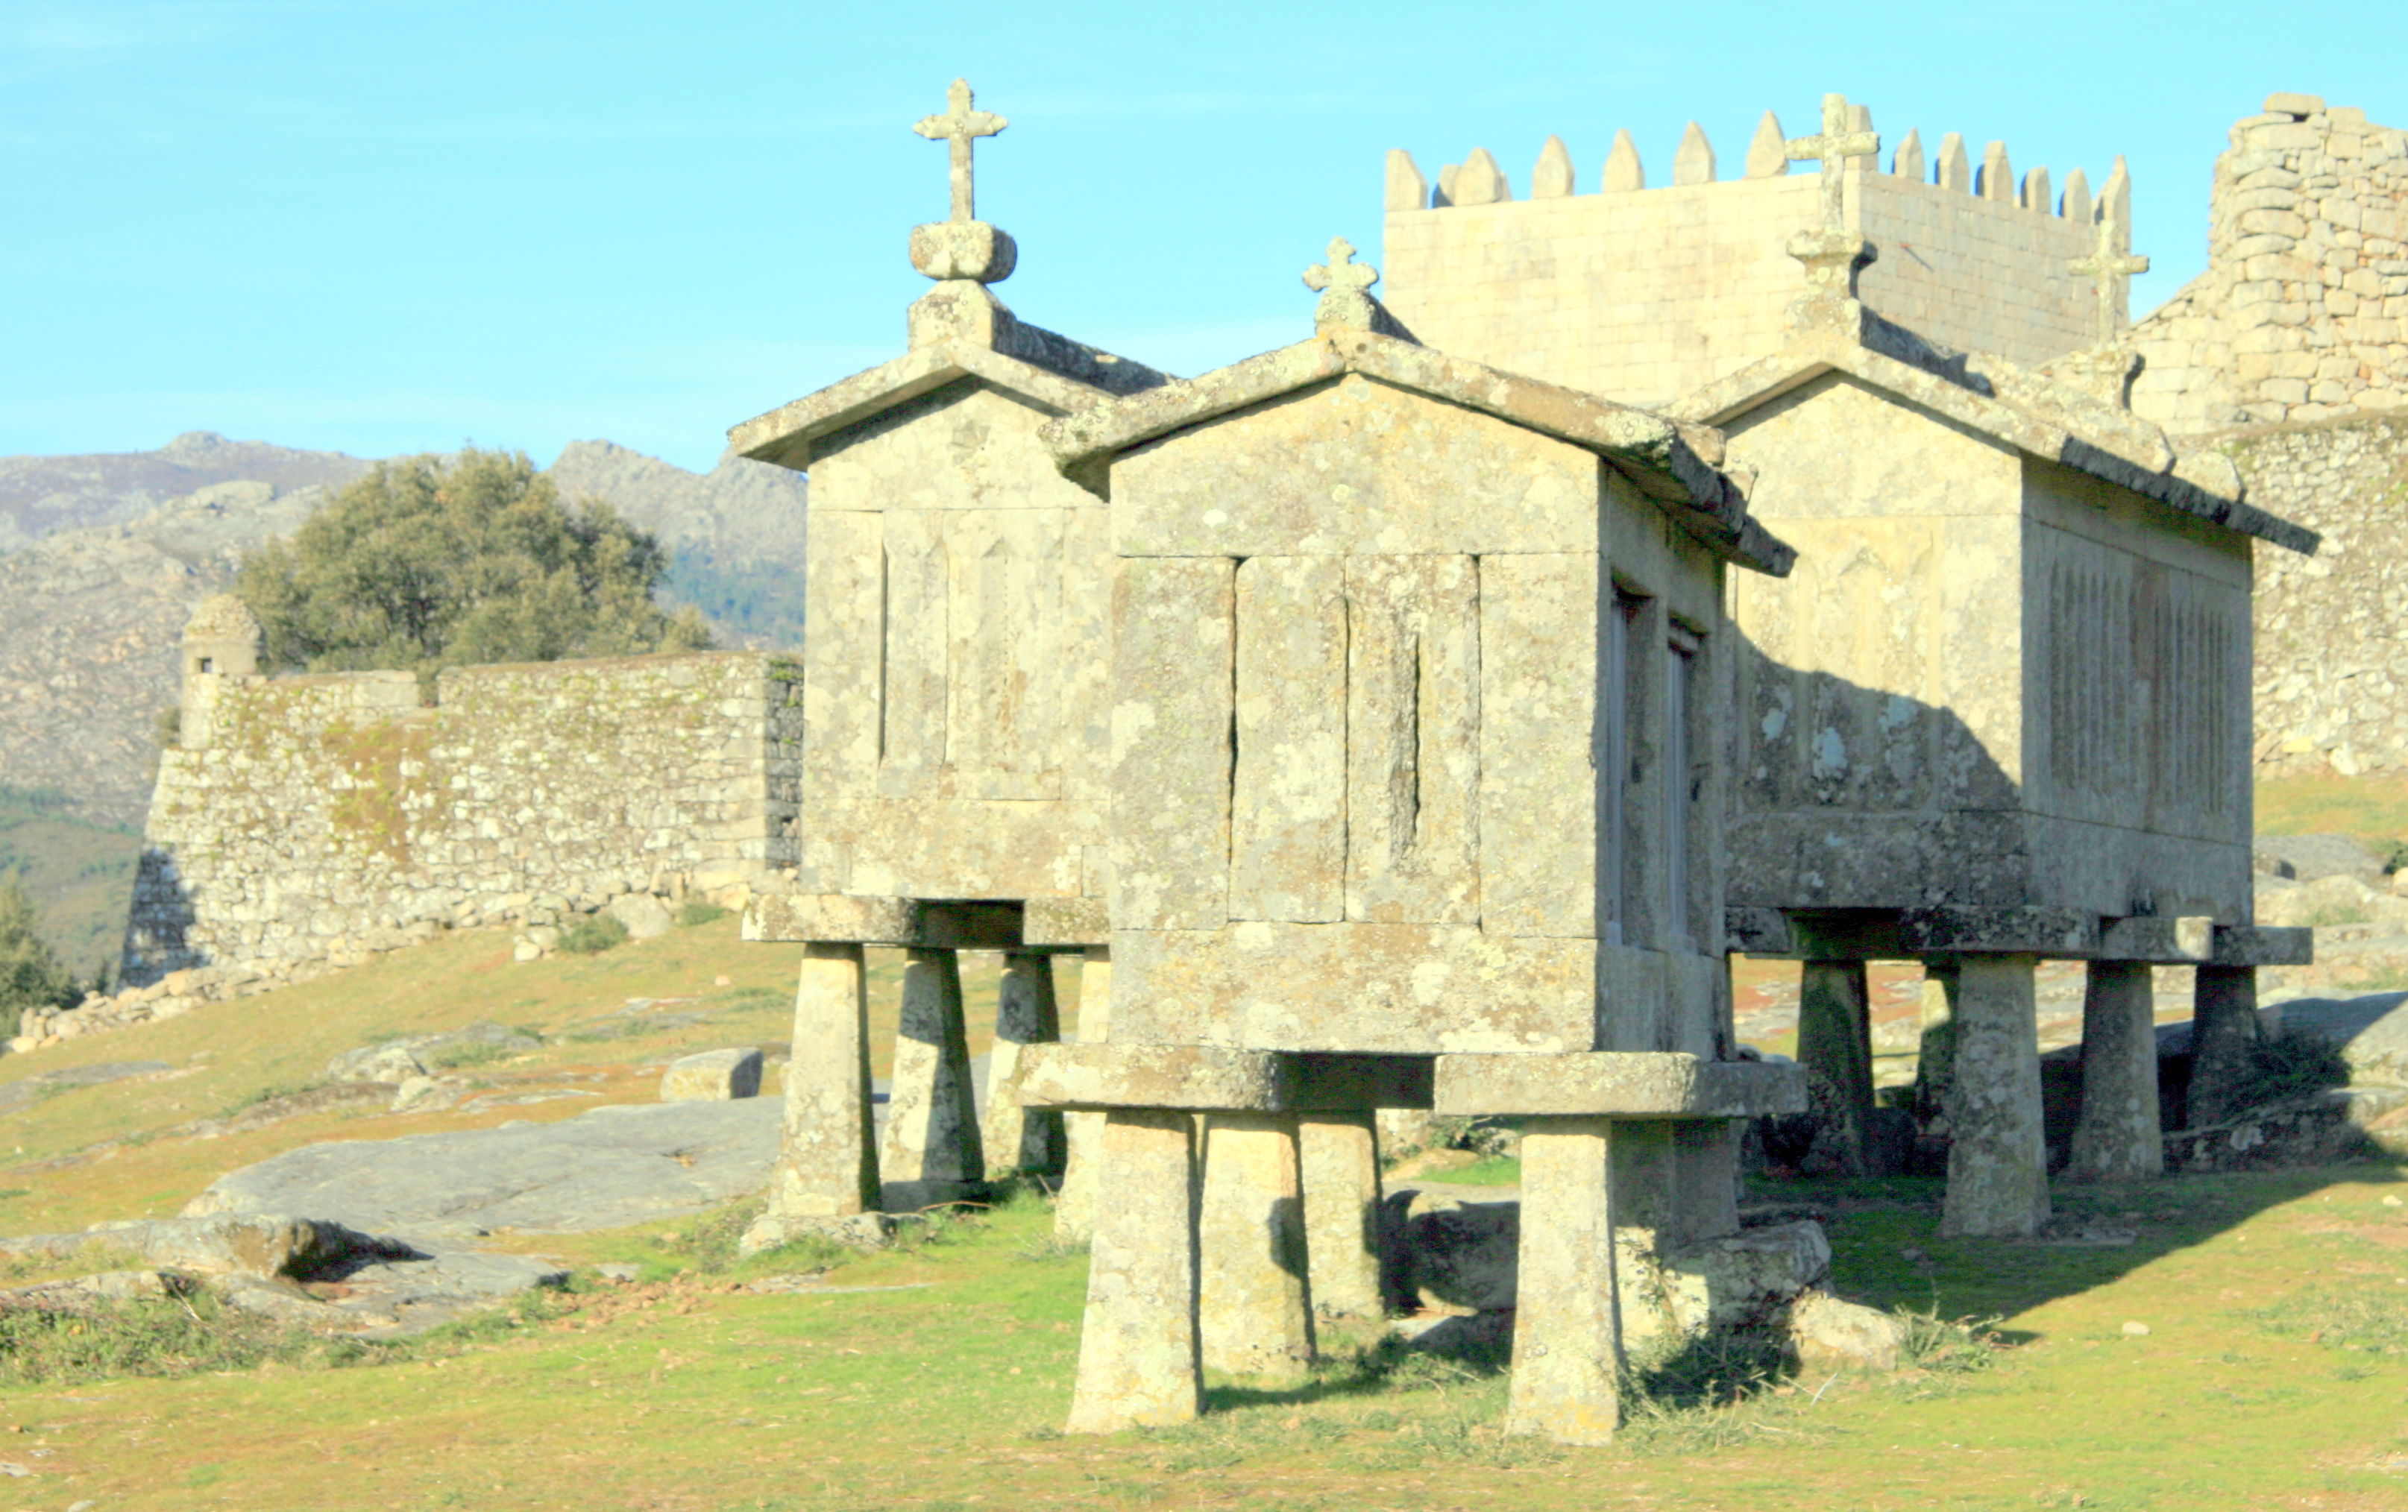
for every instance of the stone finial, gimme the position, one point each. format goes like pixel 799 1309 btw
pixel 2111 266
pixel 1693 162
pixel 1480 181
pixel 1346 289
pixel 1553 177
pixel 1831 149
pixel 1447 174
pixel 1997 179
pixel 1954 170
pixel 2075 203
pixel 1623 170
pixel 1908 163
pixel 1768 151
pixel 2038 194
pixel 1860 120
pixel 962 247
pixel 1406 189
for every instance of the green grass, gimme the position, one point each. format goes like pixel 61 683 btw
pixel 80 871
pixel 2373 808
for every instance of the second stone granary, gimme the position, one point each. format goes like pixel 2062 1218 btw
pixel 1418 687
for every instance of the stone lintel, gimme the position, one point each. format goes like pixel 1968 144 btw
pixel 1065 923
pixel 2253 945
pixel 1217 1079
pixel 2056 933
pixel 1758 931
pixel 922 923
pixel 2158 942
pixel 1629 1084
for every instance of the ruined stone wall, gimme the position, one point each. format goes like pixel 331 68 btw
pixel 2332 629
pixel 320 819
pixel 2302 313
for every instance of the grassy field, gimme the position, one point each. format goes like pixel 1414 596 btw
pixel 2376 809
pixel 2271 1376
pixel 2273 1373
pixel 80 1156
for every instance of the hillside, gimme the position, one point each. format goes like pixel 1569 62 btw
pixel 107 566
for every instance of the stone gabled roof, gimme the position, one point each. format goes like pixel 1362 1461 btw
pixel 1049 370
pixel 1676 464
pixel 1995 398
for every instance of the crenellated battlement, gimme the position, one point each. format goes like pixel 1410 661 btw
pixel 1647 294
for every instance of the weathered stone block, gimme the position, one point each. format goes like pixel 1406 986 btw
pixel 712 1076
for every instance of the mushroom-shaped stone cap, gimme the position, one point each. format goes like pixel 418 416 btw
pixel 222 616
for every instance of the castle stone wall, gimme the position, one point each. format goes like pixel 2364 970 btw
pixel 319 819
pixel 2302 313
pixel 1647 295
pixel 2332 629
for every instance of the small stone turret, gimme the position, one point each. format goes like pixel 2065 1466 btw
pixel 221 641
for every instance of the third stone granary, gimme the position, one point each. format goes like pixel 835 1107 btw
pixel 2000 712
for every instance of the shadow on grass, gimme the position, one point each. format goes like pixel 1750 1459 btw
pixel 1886 1251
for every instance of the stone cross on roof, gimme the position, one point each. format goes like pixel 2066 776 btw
pixel 1832 147
pixel 1344 286
pixel 2112 266
pixel 960 125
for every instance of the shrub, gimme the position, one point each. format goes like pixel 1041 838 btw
pixel 593 934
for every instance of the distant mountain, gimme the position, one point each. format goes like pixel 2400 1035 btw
pixel 107 568
pixel 41 496
pixel 736 530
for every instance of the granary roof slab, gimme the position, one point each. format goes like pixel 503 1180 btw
pixel 1675 464
pixel 1048 370
pixel 1995 398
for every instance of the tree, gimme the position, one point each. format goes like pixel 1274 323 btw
pixel 433 561
pixel 30 974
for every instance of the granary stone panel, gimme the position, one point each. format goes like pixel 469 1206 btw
pixel 318 818
pixel 1416 736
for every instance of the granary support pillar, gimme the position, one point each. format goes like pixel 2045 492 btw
pixel 1254 1304
pixel 931 1153
pixel 1835 1044
pixel 1935 1061
pixel 1567 1320
pixel 2224 1035
pixel 826 1178
pixel 1138 1361
pixel 2117 1136
pixel 1997 1158
pixel 1074 1206
pixel 1339 1156
pixel 1015 1138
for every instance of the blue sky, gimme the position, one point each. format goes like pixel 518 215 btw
pixel 390 227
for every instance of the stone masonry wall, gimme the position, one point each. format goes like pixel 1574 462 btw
pixel 2302 313
pixel 316 819
pixel 2332 629
pixel 1647 294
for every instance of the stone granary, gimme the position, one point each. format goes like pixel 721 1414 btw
pixel 2001 712
pixel 954 693
pixel 1418 768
